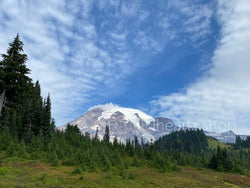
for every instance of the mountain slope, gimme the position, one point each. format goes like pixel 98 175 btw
pixel 226 137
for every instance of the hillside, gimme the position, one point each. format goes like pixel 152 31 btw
pixel 213 143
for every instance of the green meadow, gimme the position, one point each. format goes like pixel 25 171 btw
pixel 14 173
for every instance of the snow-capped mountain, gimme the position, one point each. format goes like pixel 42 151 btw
pixel 124 123
pixel 226 137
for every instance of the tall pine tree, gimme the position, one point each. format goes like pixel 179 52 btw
pixel 14 71
pixel 46 129
pixel 24 114
pixel 106 135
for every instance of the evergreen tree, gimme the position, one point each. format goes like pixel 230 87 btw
pixel 53 125
pixel 115 143
pixel 14 72
pixel 106 135
pixel 238 142
pixel 72 129
pixel 142 143
pixel 136 142
pixel 96 133
pixel 190 141
pixel 220 160
pixel 129 148
pixel 47 117
pixel 24 114
pixel 37 109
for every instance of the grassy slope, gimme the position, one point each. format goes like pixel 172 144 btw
pixel 213 143
pixel 28 174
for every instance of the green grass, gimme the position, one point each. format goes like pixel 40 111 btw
pixel 30 174
pixel 213 143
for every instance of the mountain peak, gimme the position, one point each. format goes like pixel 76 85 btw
pixel 124 123
pixel 130 114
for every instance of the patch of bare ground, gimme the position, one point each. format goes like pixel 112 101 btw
pixel 237 179
pixel 192 172
pixel 29 165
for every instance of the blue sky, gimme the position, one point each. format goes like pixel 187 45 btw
pixel 185 60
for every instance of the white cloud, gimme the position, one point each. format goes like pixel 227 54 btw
pixel 147 42
pixel 222 96
pixel 191 19
pixel 63 52
pixel 78 55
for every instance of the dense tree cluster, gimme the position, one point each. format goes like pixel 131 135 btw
pixel 24 114
pixel 242 143
pixel 190 141
pixel 220 160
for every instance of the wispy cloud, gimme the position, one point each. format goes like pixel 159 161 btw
pixel 222 96
pixel 83 50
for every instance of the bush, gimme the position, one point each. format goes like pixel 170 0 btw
pixel 44 178
pixel 131 176
pixel 56 163
pixel 108 175
pixel 54 160
pixel 5 170
pixel 135 162
pixel 122 174
pixel 78 170
pixel 81 178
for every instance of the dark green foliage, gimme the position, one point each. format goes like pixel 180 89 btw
pixel 5 140
pixel 131 175
pixel 74 149
pixel 54 160
pixel 96 133
pixel 78 170
pixel 72 129
pixel 108 175
pixel 44 178
pixel 220 160
pixel 106 135
pixel 122 173
pixel 46 126
pixel 135 162
pixel 14 72
pixel 190 141
pixel 129 148
pixel 25 114
pixel 242 143
pixel 238 142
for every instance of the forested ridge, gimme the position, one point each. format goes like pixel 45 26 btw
pixel 27 131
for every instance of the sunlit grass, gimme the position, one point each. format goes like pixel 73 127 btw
pixel 30 174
